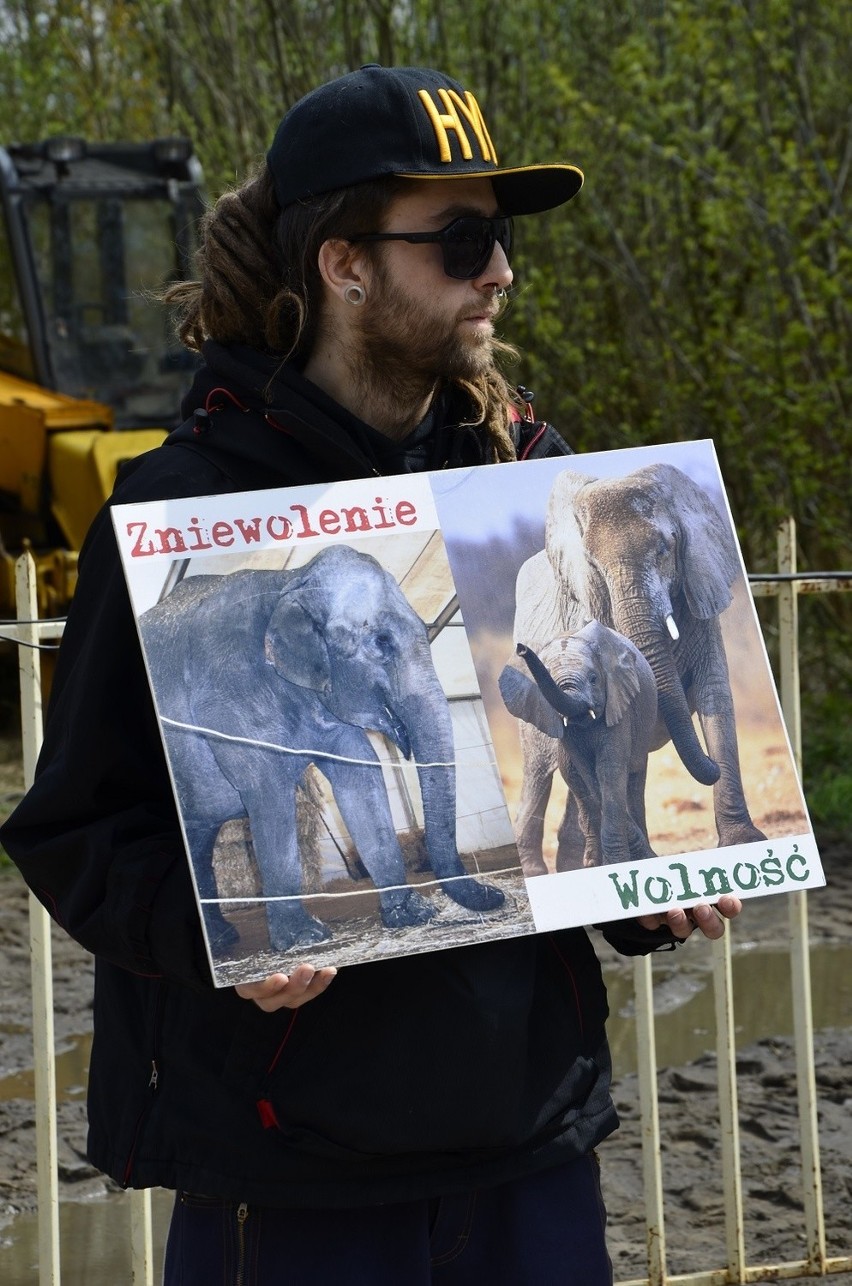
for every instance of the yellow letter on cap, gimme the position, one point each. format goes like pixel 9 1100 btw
pixel 469 108
pixel 443 122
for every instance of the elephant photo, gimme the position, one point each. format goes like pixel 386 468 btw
pixel 258 674
pixel 647 555
pixel 592 694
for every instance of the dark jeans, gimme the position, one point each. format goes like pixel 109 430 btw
pixel 543 1230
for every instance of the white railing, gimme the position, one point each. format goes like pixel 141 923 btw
pixel 786 586
pixel 30 633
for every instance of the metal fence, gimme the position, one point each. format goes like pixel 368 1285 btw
pixel 32 634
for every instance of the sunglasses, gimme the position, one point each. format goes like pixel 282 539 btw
pixel 467 244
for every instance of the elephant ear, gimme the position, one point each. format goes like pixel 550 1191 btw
pixel 537 605
pixel 563 536
pixel 294 644
pixel 619 663
pixel 710 563
pixel 524 700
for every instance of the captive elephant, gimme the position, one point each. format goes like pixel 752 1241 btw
pixel 649 556
pixel 305 661
pixel 593 693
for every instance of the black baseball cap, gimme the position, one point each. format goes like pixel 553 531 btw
pixel 407 121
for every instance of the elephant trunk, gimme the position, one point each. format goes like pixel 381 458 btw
pixel 678 720
pixel 426 718
pixel 564 703
pixel 671 699
pixel 429 724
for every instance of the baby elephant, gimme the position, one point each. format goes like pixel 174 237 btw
pixel 595 694
pixel 259 674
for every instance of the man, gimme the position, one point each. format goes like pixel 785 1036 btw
pixel 427 1119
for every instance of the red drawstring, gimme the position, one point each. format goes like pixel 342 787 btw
pixel 208 406
pixel 532 443
pixel 266 1112
pixel 280 427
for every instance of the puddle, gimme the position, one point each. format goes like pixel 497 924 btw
pixel 685 1008
pixel 94 1242
pixel 72 1065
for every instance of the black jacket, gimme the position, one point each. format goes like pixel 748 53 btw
pixel 406 1078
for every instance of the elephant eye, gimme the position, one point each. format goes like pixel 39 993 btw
pixel 383 643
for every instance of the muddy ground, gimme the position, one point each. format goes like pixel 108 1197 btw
pixel 689 1114
pixel 768 1110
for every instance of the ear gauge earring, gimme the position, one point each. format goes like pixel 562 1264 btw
pixel 355 295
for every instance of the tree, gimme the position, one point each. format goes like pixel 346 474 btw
pixel 697 287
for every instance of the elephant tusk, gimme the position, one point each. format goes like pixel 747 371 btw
pixel 399 733
pixel 672 628
pixel 566 720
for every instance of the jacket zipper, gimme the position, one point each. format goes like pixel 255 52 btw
pixel 137 1129
pixel 242 1216
pixel 153 1081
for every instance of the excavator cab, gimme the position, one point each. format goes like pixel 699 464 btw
pixel 89 232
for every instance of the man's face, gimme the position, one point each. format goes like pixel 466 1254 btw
pixel 416 318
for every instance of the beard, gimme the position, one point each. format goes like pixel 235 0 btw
pixel 409 347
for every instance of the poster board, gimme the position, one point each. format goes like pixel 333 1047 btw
pixel 361 759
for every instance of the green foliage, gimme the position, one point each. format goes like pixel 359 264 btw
pixel 77 68
pixel 827 758
pixel 701 273
pixel 697 287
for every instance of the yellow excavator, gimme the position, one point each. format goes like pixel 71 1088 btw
pixel 89 373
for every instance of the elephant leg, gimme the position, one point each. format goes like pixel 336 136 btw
pixel 640 846
pixel 580 774
pixel 201 837
pixel 469 892
pixel 572 848
pixel 539 756
pixel 271 808
pixel 616 823
pixel 711 695
pixel 360 794
pixel 439 810
pixel 733 822
pixel 621 837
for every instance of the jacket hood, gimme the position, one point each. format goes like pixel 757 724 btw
pixel 250 405
pixel 264 412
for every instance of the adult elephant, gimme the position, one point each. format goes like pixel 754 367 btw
pixel 649 556
pixel 259 673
